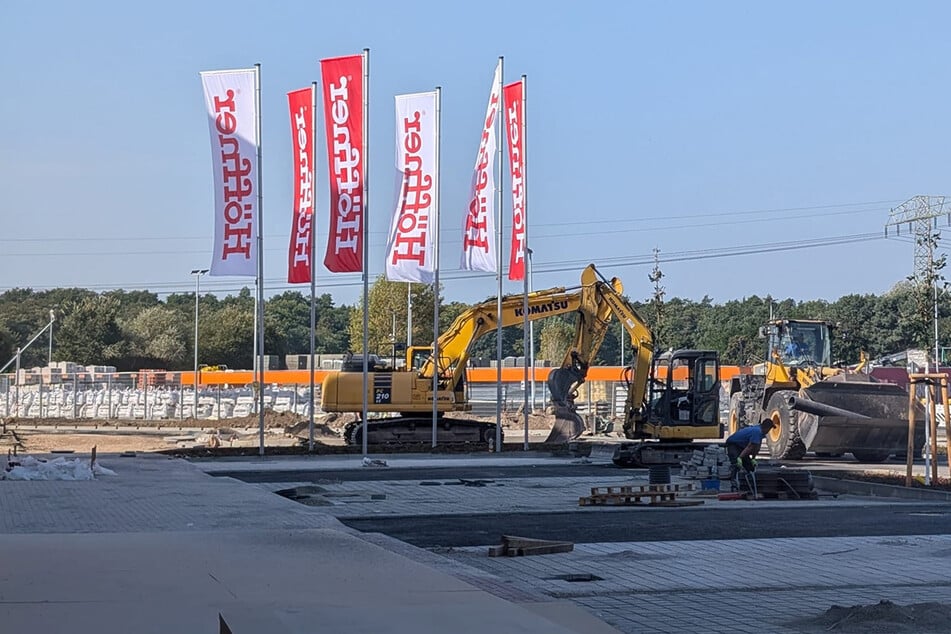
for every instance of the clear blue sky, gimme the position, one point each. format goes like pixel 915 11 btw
pixel 696 128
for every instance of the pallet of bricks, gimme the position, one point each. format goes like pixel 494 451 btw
pixel 709 463
pixel 655 494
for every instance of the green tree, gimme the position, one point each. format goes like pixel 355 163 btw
pixel 89 333
pixel 387 302
pixel 227 337
pixel 555 337
pixel 289 316
pixel 159 336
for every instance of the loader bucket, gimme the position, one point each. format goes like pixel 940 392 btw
pixel 568 426
pixel 870 419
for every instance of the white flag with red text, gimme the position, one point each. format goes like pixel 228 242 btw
pixel 514 123
pixel 343 118
pixel 478 234
pixel 299 266
pixel 232 124
pixel 410 250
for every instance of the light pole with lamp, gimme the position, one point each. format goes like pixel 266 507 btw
pixel 197 273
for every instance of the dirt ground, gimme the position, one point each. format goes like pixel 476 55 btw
pixel 883 617
pixel 283 430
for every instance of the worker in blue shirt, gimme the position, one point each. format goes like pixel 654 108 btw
pixel 743 445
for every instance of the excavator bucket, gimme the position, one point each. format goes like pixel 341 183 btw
pixel 850 413
pixel 568 426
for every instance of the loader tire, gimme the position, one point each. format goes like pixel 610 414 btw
pixel 783 439
pixel 737 417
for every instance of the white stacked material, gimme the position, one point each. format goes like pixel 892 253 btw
pixel 706 463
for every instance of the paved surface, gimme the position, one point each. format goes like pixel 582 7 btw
pixel 163 547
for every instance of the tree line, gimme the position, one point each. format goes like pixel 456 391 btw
pixel 132 330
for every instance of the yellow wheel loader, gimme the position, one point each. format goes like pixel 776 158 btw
pixel 818 407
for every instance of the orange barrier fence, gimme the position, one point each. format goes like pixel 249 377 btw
pixel 474 375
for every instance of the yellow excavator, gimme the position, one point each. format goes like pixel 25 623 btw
pixel 671 400
pixel 403 398
pixel 816 406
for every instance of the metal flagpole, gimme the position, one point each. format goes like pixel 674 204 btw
pixel 500 142
pixel 260 245
pixel 409 316
pixel 313 260
pixel 435 229
pixel 366 241
pixel 525 329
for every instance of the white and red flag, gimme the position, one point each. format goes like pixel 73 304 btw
pixel 343 118
pixel 232 123
pixel 301 105
pixel 410 251
pixel 514 122
pixel 478 233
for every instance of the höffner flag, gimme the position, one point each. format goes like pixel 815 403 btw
pixel 478 233
pixel 414 226
pixel 300 103
pixel 342 79
pixel 513 120
pixel 232 124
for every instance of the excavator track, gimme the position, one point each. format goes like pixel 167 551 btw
pixel 418 430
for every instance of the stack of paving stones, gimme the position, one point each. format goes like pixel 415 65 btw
pixel 710 462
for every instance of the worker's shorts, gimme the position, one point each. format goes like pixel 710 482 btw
pixel 733 452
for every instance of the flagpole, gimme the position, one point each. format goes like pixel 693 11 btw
pixel 366 241
pixel 525 328
pixel 500 142
pixel 313 261
pixel 435 230
pixel 260 281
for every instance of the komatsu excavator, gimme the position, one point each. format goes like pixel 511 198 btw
pixel 404 397
pixel 679 404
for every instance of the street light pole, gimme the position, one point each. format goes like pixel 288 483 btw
pixel 197 273
pixel 49 359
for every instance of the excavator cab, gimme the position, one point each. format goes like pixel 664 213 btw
pixel 685 389
pixel 682 405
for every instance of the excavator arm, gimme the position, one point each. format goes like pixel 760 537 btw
pixel 604 300
pixel 454 345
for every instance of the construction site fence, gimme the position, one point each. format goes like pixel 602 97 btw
pixel 166 397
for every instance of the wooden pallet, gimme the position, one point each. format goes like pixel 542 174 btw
pixel 655 495
pixel 512 546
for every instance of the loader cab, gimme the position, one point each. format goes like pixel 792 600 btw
pixel 685 389
pixel 799 342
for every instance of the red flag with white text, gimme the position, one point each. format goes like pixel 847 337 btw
pixel 513 121
pixel 410 252
pixel 342 79
pixel 478 234
pixel 299 266
pixel 232 123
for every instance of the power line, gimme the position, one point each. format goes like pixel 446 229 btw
pixel 870 206
pixel 612 230
pixel 277 285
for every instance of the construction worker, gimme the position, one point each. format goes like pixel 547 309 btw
pixel 742 447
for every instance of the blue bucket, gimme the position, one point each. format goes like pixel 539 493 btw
pixel 710 485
